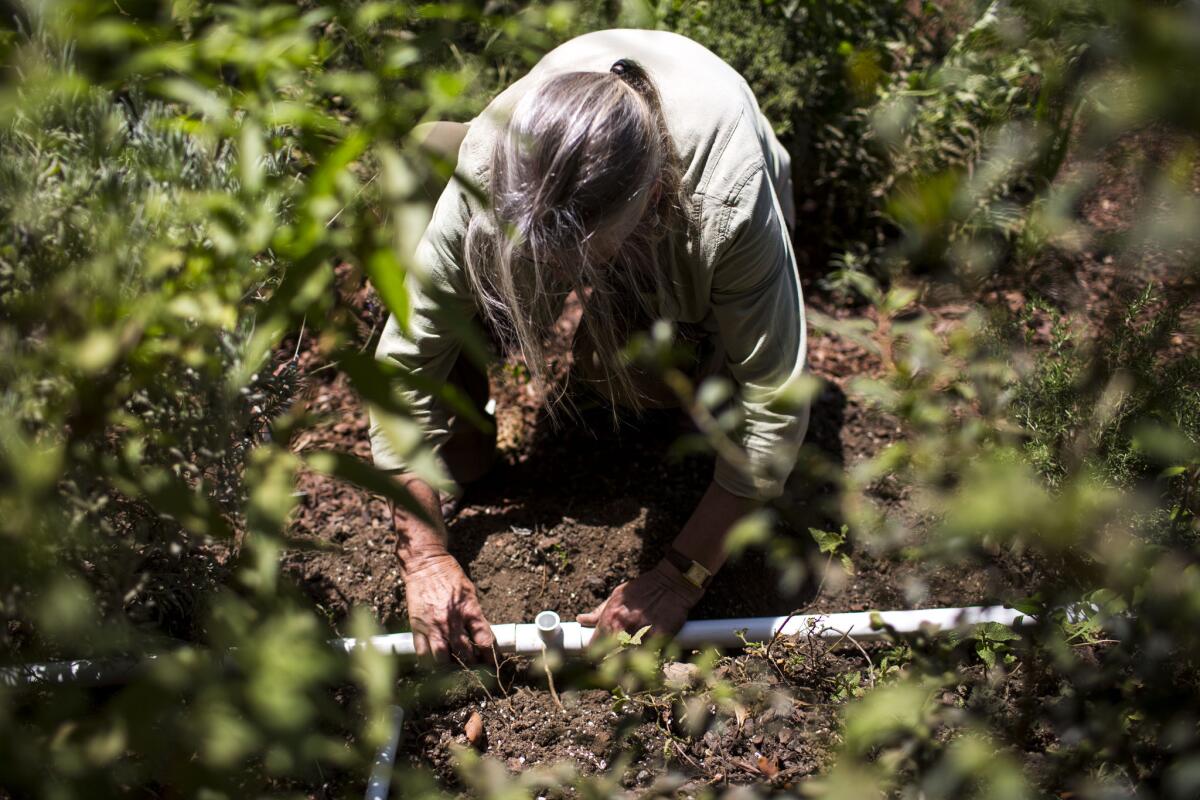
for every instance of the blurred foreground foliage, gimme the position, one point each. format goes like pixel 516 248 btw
pixel 180 182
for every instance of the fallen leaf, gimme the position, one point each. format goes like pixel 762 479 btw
pixel 740 712
pixel 767 767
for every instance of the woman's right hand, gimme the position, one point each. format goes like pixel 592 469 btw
pixel 444 610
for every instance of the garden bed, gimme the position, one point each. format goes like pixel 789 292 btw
pixel 571 511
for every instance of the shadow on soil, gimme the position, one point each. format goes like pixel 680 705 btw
pixel 584 507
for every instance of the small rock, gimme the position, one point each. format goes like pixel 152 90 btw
pixel 785 735
pixel 642 776
pixel 476 734
pixel 681 675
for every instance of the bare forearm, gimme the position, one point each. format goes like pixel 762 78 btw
pixel 703 537
pixel 443 607
pixel 662 597
pixel 417 539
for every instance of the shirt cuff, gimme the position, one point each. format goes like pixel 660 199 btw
pixel 400 446
pixel 737 482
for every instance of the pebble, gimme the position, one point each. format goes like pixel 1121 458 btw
pixel 681 675
pixel 476 734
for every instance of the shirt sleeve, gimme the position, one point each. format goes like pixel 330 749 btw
pixel 428 348
pixel 759 310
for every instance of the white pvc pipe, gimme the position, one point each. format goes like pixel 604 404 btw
pixel 81 673
pixel 549 628
pixel 855 624
pixel 550 631
pixel 572 637
pixel 381 770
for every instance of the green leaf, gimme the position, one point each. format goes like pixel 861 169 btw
pixel 250 157
pixel 374 379
pixel 897 299
pixel 749 531
pixel 828 541
pixel 995 632
pixel 387 276
pixel 856 330
pixel 407 440
pixel 1030 606
pixel 169 495
pixel 626 639
pixel 353 470
pixel 797 393
pixel 324 180
pixel 271 477
pixel 986 654
pixel 206 102
pixel 97 351
pixel 883 713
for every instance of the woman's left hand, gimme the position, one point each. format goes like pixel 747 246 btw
pixel 660 598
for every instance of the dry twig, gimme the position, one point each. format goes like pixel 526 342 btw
pixel 550 681
pixel 472 673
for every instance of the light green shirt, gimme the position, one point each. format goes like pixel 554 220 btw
pixel 735 275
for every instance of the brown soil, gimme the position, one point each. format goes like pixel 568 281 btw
pixel 671 737
pixel 568 514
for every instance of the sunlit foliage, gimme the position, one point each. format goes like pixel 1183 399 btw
pixel 181 183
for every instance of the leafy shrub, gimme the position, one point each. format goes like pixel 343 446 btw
pixel 817 69
pixel 177 187
pixel 1123 403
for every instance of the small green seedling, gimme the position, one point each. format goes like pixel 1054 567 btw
pixel 991 643
pixel 561 557
pixel 832 543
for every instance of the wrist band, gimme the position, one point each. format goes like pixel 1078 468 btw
pixel 693 572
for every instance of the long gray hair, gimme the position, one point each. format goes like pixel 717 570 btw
pixel 585 192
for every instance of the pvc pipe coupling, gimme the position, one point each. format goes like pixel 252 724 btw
pixel 548 632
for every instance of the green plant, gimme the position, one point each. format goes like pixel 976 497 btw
pixel 562 559
pixel 1123 405
pixel 817 69
pixel 831 544
pixel 184 188
pixel 992 643
pixel 179 186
